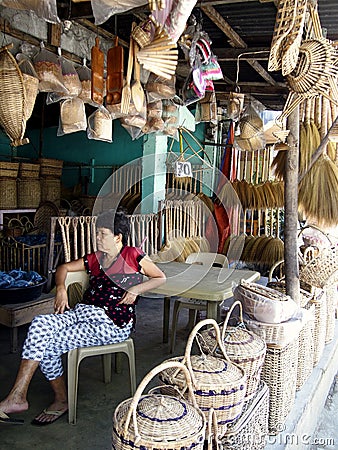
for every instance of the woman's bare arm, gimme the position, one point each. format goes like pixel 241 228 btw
pixel 61 297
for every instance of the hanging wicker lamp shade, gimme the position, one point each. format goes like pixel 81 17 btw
pixel 12 98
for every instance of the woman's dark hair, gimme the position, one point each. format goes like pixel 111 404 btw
pixel 116 221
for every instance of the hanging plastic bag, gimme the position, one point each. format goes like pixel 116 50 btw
pixel 170 118
pixel 48 68
pixel 46 9
pixel 100 125
pixel 154 118
pixel 85 77
pixel 72 116
pixel 71 82
pixel 159 88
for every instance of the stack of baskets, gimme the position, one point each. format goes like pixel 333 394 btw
pixel 28 186
pixel 279 370
pixel 218 383
pixel 8 189
pixel 243 347
pixel 50 173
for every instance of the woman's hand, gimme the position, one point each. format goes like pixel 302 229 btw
pixel 61 301
pixel 128 298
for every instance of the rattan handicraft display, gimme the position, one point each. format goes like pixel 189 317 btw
pixel 218 383
pixel 157 421
pixel 243 347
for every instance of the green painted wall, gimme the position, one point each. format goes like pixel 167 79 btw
pixel 77 152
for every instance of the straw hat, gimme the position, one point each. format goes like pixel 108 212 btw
pixel 251 131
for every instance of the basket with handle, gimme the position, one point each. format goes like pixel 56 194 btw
pixel 218 383
pixel 156 421
pixel 243 347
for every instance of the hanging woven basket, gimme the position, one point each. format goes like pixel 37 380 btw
pixel 12 98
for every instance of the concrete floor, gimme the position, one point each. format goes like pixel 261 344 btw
pixel 97 401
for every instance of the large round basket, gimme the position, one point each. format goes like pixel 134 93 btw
pixel 218 383
pixel 243 347
pixel 157 421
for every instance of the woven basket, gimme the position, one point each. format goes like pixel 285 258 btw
pixel 29 193
pixel 331 303
pixel 218 383
pixel 29 171
pixel 251 429
pixel 319 331
pixel 306 348
pixel 50 168
pixel 50 190
pixel 243 347
pixel 280 374
pixel 305 296
pixel 12 98
pixel 276 334
pixel 321 269
pixel 8 169
pixel 156 421
pixel 8 193
pixel 265 304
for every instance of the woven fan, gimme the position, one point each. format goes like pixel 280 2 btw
pixel 12 98
pixel 316 71
pixel 160 56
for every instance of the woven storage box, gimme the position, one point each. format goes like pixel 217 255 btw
pixel 8 193
pixel 243 347
pixel 8 169
pixel 319 332
pixel 50 168
pixel 218 383
pixel 306 347
pixel 29 193
pixel 265 304
pixel 29 171
pixel 250 431
pixel 50 190
pixel 156 421
pixel 280 374
pixel 331 303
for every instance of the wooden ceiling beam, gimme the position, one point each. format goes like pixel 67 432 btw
pixel 235 40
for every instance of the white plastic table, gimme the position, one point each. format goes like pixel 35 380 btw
pixel 199 282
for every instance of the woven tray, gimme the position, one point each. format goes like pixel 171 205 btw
pixel 156 421
pixel 218 383
pixel 243 347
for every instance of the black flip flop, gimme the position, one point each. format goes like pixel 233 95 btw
pixel 4 418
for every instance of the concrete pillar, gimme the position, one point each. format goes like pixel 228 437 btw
pixel 153 172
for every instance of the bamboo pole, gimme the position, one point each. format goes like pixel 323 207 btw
pixel 291 209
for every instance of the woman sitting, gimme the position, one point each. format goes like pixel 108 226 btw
pixel 106 314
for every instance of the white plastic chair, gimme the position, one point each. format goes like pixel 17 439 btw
pixel 194 305
pixel 78 354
